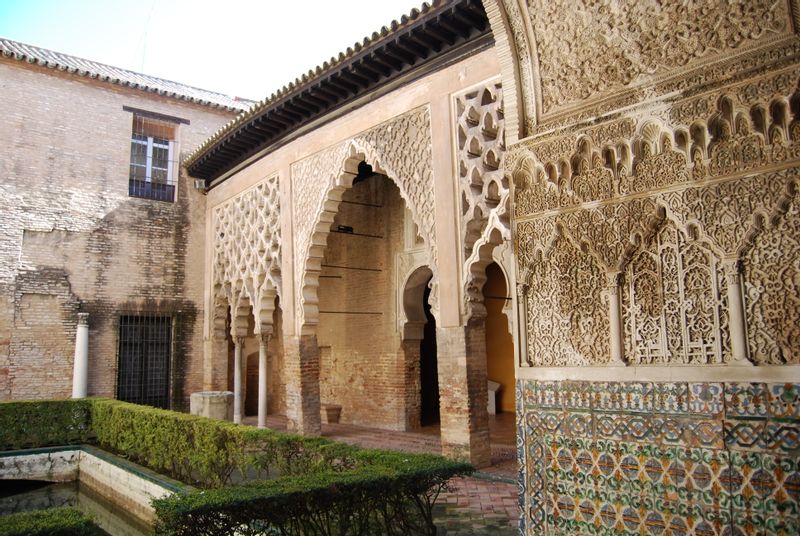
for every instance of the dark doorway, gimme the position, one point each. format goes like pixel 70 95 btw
pixel 145 344
pixel 429 370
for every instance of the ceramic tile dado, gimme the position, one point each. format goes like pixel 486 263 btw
pixel 660 458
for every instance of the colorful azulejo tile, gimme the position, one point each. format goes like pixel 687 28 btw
pixel 622 396
pixel 784 400
pixel 746 400
pixel 669 397
pixel 706 399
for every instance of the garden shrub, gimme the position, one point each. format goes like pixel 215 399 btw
pixel 41 423
pixel 205 452
pixel 293 484
pixel 51 522
pixel 393 494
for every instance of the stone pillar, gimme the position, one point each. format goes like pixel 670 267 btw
pixel 463 392
pixel 237 379
pixel 301 370
pixel 733 271
pixel 80 367
pixel 263 341
pixel 615 317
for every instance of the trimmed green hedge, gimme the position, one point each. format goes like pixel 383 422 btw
pixel 208 453
pixel 293 484
pixel 41 423
pixel 50 522
pixel 390 493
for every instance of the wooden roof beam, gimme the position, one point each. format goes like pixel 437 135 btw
pixel 406 43
pixel 338 82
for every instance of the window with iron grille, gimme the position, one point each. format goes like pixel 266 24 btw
pixel 145 350
pixel 153 159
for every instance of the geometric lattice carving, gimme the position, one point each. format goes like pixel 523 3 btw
pixel 674 303
pixel 772 292
pixel 247 246
pixel 483 186
pixel 400 149
pixel 567 316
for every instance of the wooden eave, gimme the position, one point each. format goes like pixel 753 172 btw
pixel 446 27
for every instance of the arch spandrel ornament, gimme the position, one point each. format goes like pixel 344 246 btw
pixel 400 149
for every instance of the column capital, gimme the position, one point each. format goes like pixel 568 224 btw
pixel 83 319
pixel 238 340
pixel 732 269
pixel 264 338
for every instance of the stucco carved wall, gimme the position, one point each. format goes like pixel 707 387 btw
pixel 247 250
pixel 674 207
pixel 399 148
pixel 656 224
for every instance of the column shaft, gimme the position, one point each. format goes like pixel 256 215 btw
pixel 262 380
pixel 80 369
pixel 237 380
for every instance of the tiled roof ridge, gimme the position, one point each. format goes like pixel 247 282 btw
pixel 312 75
pixel 117 75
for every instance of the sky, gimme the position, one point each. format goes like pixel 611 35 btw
pixel 243 48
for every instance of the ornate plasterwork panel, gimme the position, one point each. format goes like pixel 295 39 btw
pixel 578 60
pixel 399 148
pixel 565 307
pixel 772 292
pixel 586 49
pixel 484 193
pixel 247 248
pixel 674 303
pixel 682 208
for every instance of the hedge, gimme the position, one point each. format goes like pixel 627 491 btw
pixel 392 493
pixel 51 522
pixel 43 423
pixel 286 483
pixel 208 453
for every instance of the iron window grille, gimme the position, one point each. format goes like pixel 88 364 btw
pixel 145 359
pixel 153 166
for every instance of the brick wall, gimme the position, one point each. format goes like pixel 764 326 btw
pixel 72 239
pixel 362 364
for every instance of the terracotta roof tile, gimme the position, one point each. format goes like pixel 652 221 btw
pixel 117 75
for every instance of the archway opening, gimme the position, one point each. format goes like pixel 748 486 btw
pixel 428 366
pixel 362 361
pixel 499 355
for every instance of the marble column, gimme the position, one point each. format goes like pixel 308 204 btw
pixel 80 369
pixel 262 379
pixel 237 379
pixel 733 278
pixel 614 280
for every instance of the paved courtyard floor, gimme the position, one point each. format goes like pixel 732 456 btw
pixel 482 505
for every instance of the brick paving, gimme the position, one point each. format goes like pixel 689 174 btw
pixel 481 506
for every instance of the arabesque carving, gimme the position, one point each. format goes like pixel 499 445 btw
pixel 588 49
pixel 399 148
pixel 567 319
pixel 674 303
pixel 772 291
pixel 733 135
pixel 247 249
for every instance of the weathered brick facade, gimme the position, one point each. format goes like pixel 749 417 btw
pixel 71 238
